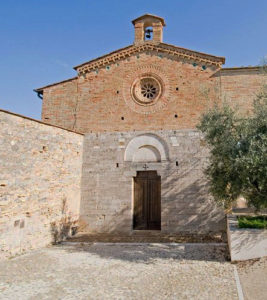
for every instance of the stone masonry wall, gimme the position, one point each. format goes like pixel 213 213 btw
pixel 107 184
pixel 39 182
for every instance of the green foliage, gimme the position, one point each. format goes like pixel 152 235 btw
pixel 252 222
pixel 238 161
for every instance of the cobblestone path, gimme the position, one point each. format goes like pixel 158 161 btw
pixel 120 271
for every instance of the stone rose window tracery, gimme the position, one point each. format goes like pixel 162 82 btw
pixel 146 90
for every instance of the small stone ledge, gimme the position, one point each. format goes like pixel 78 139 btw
pixel 138 236
pixel 245 243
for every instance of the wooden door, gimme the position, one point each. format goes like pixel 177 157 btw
pixel 147 201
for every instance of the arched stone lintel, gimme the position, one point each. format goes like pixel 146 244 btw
pixel 145 140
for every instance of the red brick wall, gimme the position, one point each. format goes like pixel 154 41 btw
pixel 59 103
pixel 98 98
pixel 239 87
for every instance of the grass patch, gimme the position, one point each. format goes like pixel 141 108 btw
pixel 259 222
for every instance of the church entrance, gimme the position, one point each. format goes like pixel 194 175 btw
pixel 147 201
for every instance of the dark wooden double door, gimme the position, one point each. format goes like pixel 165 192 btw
pixel 147 201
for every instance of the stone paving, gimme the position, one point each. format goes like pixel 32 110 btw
pixel 253 278
pixel 120 271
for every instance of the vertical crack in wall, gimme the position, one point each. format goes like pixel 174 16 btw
pixel 76 105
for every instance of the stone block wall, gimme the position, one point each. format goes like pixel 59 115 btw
pixel 107 184
pixel 39 182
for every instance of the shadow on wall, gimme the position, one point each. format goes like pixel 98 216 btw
pixel 184 211
pixel 191 210
pixel 189 206
pixel 118 222
pixel 65 227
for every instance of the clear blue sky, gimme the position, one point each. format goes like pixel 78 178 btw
pixel 41 40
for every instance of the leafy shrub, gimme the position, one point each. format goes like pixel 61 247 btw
pixel 259 222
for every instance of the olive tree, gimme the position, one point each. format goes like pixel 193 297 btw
pixel 238 153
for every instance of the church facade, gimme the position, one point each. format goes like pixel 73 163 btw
pixel 143 159
pixel 117 151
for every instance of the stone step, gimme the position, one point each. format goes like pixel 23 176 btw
pixel 146 237
pixel 146 233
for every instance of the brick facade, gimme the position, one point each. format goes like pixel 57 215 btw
pixel 239 86
pixel 96 102
pixel 97 98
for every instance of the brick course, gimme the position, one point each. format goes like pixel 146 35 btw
pixel 96 102
pixel 97 97
pixel 239 86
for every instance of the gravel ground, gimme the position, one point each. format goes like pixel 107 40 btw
pixel 253 278
pixel 120 271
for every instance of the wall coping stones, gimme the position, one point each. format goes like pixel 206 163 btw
pixel 245 243
pixel 38 121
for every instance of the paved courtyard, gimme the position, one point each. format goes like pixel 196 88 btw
pixel 253 277
pixel 120 271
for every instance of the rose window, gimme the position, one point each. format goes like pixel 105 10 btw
pixel 146 90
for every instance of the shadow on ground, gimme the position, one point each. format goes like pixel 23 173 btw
pixel 147 253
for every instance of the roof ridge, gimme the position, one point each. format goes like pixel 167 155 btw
pixel 151 16
pixel 102 56
pixel 55 83
pixel 242 68
pixel 199 52
pixel 129 50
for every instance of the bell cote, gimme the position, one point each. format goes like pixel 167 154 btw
pixel 148 28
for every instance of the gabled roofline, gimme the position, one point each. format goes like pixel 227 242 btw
pixel 163 47
pixel 149 15
pixel 40 90
pixel 222 58
pixel 102 57
pixel 131 49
